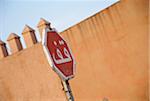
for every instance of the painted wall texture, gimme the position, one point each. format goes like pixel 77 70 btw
pixel 111 52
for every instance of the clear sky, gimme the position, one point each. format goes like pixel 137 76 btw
pixel 14 14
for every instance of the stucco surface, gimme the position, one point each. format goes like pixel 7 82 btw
pixel 111 52
pixel 26 76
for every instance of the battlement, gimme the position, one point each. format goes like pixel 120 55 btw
pixel 29 37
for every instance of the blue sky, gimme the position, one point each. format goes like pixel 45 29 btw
pixel 14 14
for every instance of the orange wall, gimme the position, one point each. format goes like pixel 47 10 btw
pixel 111 52
pixel 26 76
pixel 149 49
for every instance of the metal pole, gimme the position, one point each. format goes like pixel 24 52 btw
pixel 67 90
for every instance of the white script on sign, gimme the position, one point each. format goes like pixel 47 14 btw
pixel 59 54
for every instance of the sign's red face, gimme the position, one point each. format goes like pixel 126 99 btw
pixel 60 54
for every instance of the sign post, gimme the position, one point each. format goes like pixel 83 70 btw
pixel 60 58
pixel 67 90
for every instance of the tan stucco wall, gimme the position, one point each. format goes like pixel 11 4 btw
pixel 149 48
pixel 111 52
pixel 26 76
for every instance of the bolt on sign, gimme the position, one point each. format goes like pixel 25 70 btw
pixel 58 54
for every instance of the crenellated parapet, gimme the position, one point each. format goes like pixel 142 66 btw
pixel 42 25
pixel 14 43
pixel 3 49
pixel 29 36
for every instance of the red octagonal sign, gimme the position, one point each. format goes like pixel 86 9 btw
pixel 58 54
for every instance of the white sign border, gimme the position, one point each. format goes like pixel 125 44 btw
pixel 49 56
